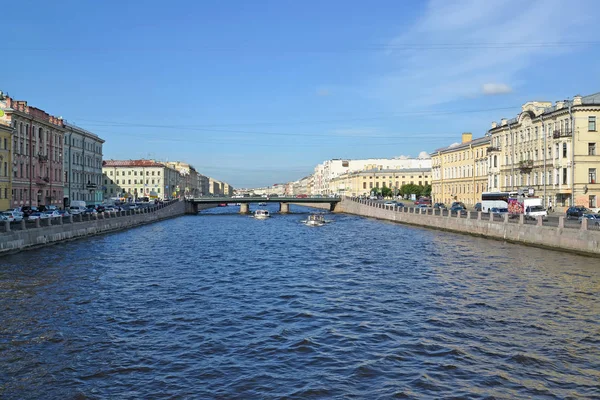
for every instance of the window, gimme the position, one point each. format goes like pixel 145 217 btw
pixel 592 123
pixel 564 180
pixel 592 200
pixel 564 152
pixel 591 149
pixel 364 184
pixel 592 175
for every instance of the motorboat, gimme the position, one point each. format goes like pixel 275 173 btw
pixel 315 220
pixel 222 205
pixel 261 214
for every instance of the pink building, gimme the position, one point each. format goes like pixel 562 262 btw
pixel 37 163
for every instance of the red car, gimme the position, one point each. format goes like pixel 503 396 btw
pixel 302 196
pixel 423 201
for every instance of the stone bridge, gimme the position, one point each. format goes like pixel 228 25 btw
pixel 191 205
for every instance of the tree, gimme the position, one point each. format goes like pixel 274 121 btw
pixel 410 188
pixel 426 191
pixel 376 191
pixel 386 192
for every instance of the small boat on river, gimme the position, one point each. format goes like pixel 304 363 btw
pixel 222 205
pixel 262 204
pixel 315 220
pixel 261 214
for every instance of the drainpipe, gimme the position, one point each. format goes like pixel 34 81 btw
pixel 544 151
pixel 572 154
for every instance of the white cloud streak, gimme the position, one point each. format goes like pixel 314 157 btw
pixel 482 42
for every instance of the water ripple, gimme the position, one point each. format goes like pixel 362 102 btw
pixel 224 306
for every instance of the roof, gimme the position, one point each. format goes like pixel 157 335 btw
pixel 81 130
pixel 385 171
pixel 475 142
pixel 131 163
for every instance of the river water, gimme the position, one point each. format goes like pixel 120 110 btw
pixel 225 306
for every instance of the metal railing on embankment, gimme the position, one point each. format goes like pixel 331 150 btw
pixel 25 224
pixel 549 221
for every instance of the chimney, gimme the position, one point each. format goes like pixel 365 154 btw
pixel 560 104
pixel 577 100
pixel 467 137
pixel 494 124
pixel 503 121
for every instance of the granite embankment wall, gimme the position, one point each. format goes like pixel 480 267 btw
pixel 40 233
pixel 559 238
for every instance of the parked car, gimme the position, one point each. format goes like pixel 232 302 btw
pixel 593 219
pixel 53 214
pixel 440 206
pixel 577 211
pixel 498 211
pixel 63 213
pixel 90 211
pixel 422 205
pixel 301 196
pixel 390 203
pixel 457 208
pixel 423 200
pixel 37 215
pixel 400 204
pixel 477 207
pixel 28 210
pixel 77 210
pixel 13 215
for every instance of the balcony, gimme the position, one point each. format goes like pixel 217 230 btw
pixel 42 158
pixel 42 180
pixel 91 186
pixel 525 166
pixel 559 134
pixel 492 149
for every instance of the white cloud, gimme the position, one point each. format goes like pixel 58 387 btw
pixel 495 88
pixel 457 47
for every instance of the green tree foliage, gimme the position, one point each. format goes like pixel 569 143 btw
pixel 386 192
pixel 417 190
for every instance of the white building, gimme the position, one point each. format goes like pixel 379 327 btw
pixel 331 169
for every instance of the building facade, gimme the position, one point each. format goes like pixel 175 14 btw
pixel 203 185
pixel 6 139
pixel 37 163
pixel 82 166
pixel 132 179
pixel 460 171
pixel 331 169
pixel 362 183
pixel 550 149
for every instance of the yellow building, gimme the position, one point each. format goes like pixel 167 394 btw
pixel 551 150
pixel 139 178
pixel 6 132
pixel 460 171
pixel 361 183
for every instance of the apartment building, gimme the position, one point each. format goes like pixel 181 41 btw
pixel 550 149
pixel 460 171
pixel 37 151
pixel 6 134
pixel 329 170
pixel 82 165
pixel 360 183
pixel 139 178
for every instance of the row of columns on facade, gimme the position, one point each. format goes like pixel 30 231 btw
pixel 38 223
pixel 417 210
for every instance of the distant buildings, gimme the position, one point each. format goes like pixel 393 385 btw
pixel 82 165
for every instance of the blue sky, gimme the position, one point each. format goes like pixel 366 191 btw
pixel 259 92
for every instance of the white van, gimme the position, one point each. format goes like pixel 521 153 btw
pixel 77 210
